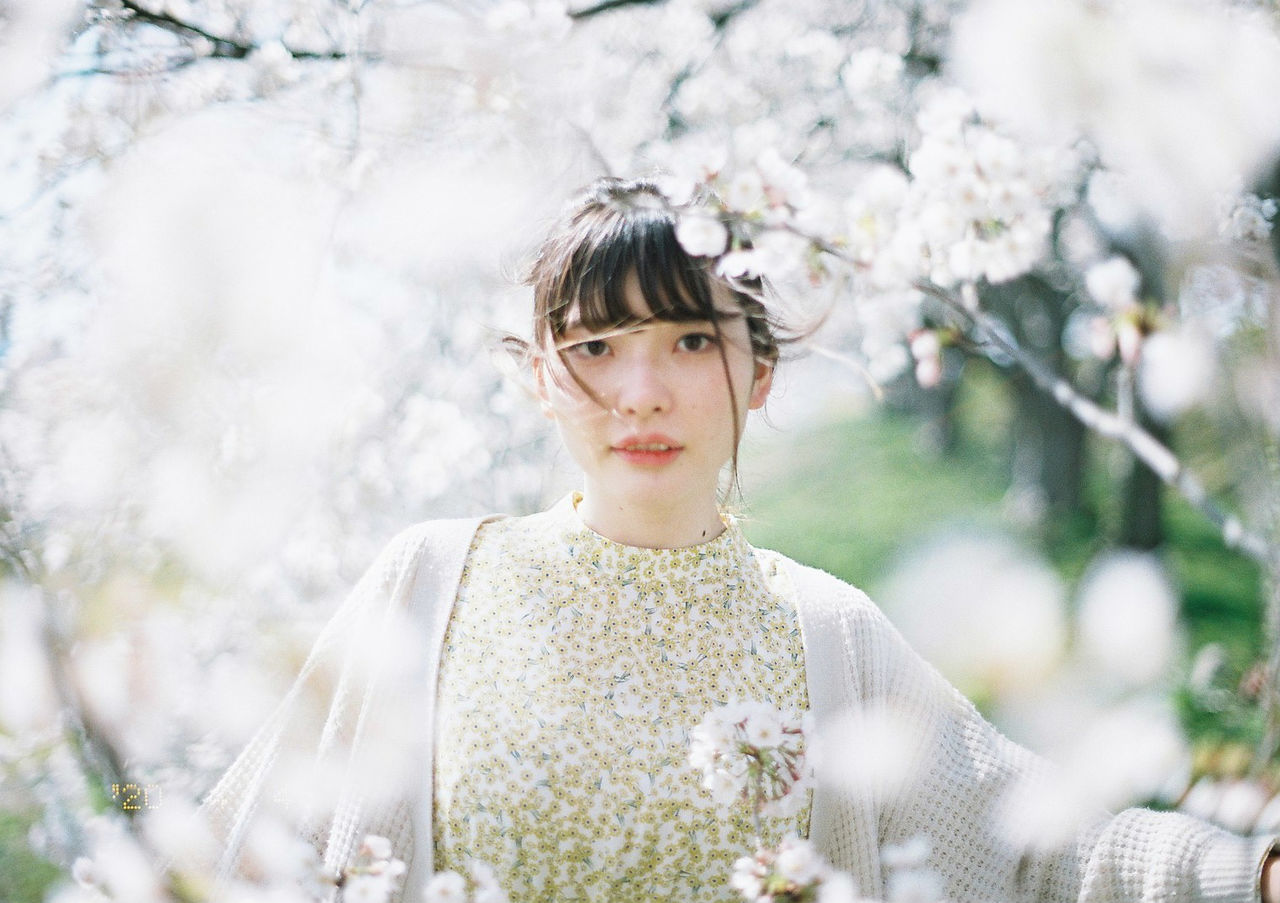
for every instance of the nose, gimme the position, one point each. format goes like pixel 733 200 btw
pixel 644 389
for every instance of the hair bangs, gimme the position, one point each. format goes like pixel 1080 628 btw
pixel 642 247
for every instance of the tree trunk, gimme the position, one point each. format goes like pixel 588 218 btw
pixel 1047 441
pixel 1142 518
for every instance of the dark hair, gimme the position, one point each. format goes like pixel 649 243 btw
pixel 616 229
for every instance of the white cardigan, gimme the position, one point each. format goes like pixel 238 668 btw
pixel 853 658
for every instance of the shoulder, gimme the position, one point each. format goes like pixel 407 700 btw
pixel 839 621
pixel 430 543
pixel 430 535
pixel 448 541
pixel 817 594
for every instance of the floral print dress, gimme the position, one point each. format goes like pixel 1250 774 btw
pixel 574 669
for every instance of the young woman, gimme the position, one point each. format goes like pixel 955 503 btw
pixel 559 661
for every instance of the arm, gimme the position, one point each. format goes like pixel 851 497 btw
pixel 970 790
pixel 1271 879
pixel 1126 857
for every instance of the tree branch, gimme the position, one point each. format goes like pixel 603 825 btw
pixel 719 19
pixel 1157 456
pixel 989 330
pixel 222 47
pixel 605 6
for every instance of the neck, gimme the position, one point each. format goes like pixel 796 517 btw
pixel 651 525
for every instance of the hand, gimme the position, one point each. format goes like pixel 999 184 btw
pixel 1271 878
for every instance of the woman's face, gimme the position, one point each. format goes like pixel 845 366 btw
pixel 662 423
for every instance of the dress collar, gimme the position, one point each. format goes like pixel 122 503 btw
pixel 730 542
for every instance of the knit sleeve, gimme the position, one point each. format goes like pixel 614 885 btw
pixel 314 714
pixel 967 786
pixel 335 757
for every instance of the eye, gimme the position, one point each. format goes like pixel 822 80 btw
pixel 696 341
pixel 589 348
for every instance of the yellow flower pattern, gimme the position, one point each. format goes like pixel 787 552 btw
pixel 574 669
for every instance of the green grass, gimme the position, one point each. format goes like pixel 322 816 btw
pixel 851 496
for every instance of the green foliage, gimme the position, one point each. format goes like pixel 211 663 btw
pixel 24 876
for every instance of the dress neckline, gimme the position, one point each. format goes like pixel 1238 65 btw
pixel 729 541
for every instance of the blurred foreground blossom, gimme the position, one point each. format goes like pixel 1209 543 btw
pixel 373 877
pixel 752 753
pixel 910 879
pixel 480 885
pixel 984 611
pixel 31 34
pixel 1129 752
pixel 792 873
pixel 867 751
pixel 1239 804
pixel 1094 706
pixel 1176 372
pixel 1113 283
pixel 1116 757
pixel 1103 69
pixel 28 702
pixel 1128 618
pixel 117 866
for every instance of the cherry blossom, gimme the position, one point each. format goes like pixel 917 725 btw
pixel 752 753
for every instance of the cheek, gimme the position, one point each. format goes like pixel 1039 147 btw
pixel 712 405
pixel 562 391
pixel 743 369
pixel 573 411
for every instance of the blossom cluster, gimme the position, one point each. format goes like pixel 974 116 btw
pixel 480 885
pixel 971 203
pixel 1244 216
pixel 793 873
pixel 980 203
pixel 769 198
pixel 751 752
pixel 372 878
pixel 1174 365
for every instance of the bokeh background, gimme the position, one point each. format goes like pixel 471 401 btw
pixel 256 262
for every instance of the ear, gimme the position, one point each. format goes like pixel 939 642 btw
pixel 761 385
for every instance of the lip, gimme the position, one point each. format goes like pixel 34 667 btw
pixel 649 450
